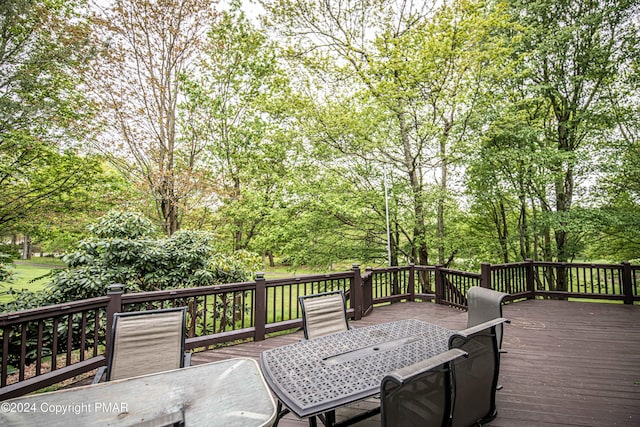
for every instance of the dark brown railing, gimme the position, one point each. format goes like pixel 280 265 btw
pixel 33 356
pixel 44 346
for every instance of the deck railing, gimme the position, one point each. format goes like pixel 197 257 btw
pixel 44 346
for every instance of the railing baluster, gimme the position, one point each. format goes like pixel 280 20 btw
pixel 83 335
pixel 23 349
pixel 54 346
pixel 5 356
pixel 215 313
pixel 69 338
pixel 39 347
pixel 96 331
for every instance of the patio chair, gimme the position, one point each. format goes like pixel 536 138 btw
pixel 420 394
pixel 145 342
pixel 476 377
pixel 323 314
pixel 483 305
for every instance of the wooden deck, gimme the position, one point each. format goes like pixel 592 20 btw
pixel 568 363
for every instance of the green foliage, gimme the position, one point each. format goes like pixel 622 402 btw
pixel 24 299
pixel 238 105
pixel 7 254
pixel 122 225
pixel 47 184
pixel 123 250
pixel 5 273
pixel 40 105
pixel 507 130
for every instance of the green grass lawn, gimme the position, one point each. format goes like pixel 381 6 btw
pixel 24 272
pixel 283 271
pixel 27 270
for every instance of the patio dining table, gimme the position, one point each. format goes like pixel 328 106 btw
pixel 314 377
pixel 226 393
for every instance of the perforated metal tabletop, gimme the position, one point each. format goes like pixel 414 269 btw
pixel 315 376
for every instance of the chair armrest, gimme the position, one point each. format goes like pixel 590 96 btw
pixel 402 375
pixel 482 326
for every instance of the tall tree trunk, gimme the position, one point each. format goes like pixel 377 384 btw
pixel 564 193
pixel 239 226
pixel 442 196
pixel 395 238
pixel 419 228
pixel 26 247
pixel 522 230
pixel 419 250
pixel 504 238
pixel 499 218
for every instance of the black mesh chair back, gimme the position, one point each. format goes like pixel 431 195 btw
pixel 476 376
pixel 421 394
pixel 483 305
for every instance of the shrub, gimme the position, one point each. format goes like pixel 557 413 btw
pixel 7 254
pixel 123 248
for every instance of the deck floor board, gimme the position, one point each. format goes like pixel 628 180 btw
pixel 567 363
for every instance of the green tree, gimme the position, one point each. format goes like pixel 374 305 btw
pixel 238 106
pixel 43 49
pixel 42 44
pixel 145 47
pixel 396 84
pixel 615 224
pixel 575 51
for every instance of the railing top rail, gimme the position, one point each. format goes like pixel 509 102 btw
pixel 185 292
pixel 576 265
pixel 310 278
pixel 390 269
pixel 425 267
pixel 510 265
pixel 461 273
pixel 48 311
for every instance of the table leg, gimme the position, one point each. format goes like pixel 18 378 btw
pixel 328 418
pixel 281 412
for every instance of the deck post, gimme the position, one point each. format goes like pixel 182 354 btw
pixel 411 286
pixel 485 275
pixel 260 307
pixel 531 284
pixel 114 306
pixel 356 292
pixel 439 284
pixel 367 291
pixel 627 286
